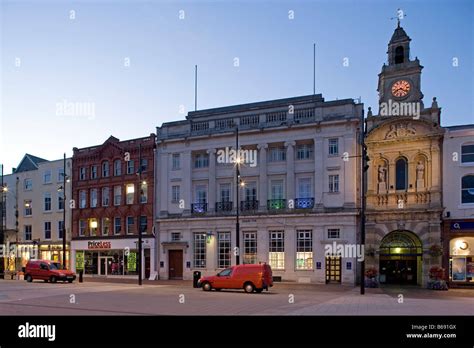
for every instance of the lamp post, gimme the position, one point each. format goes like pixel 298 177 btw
pixel 63 189
pixel 3 189
pixel 237 185
pixel 363 177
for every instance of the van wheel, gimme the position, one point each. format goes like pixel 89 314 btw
pixel 53 279
pixel 248 287
pixel 28 278
pixel 206 286
pixel 258 291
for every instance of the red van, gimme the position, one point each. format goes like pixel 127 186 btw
pixel 248 277
pixel 48 271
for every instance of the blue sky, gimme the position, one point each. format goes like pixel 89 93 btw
pixel 82 60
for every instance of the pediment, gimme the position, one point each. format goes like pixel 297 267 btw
pixel 404 128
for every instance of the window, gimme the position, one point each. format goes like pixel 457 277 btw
pixel 334 233
pixel 144 166
pixel 47 230
pixel 47 201
pixel 82 227
pixel 201 194
pixel 277 154
pixel 201 160
pixel 175 161
pixel 276 189
pixel 130 167
pixel 60 200
pixel 130 190
pixel 333 183
pixel 28 207
pixel 223 249
pixel 47 176
pixel 304 249
pixel 304 152
pixel 143 224
pixel 60 174
pixel 143 192
pixel 401 170
pixel 82 199
pixel 82 173
pixel 304 188
pixel 105 226
pixel 467 153
pixel 175 194
pixel 117 167
pixel 117 195
pixel 93 227
pixel 250 247
pixel 175 236
pixel 225 192
pixel 250 191
pixel 117 225
pixel 467 189
pixel 105 169
pixel 28 184
pixel 93 198
pixel 93 172
pixel 105 196
pixel 333 147
pixel 276 255
pixel 60 229
pixel 28 232
pixel 225 273
pixel 130 225
pixel 399 55
pixel 199 250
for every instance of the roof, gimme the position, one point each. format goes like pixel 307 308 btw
pixel 29 162
pixel 459 127
pixel 399 35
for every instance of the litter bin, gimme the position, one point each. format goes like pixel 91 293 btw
pixel 196 277
pixel 80 275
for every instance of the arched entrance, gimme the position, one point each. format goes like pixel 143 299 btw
pixel 400 258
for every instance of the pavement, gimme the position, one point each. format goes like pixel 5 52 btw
pixel 124 297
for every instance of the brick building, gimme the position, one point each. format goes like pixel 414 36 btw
pixel 111 205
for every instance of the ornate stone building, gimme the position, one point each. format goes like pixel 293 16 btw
pixel 404 143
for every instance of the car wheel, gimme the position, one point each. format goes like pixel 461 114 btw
pixel 28 278
pixel 206 286
pixel 69 281
pixel 248 287
pixel 53 279
pixel 258 291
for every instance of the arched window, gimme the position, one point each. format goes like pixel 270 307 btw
pixel 467 189
pixel 401 171
pixel 399 55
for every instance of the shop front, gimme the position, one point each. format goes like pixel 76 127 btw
pixel 112 257
pixel 459 240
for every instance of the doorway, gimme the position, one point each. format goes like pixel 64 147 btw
pixel 333 269
pixel 402 271
pixel 105 265
pixel 175 263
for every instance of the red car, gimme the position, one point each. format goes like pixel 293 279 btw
pixel 248 277
pixel 48 271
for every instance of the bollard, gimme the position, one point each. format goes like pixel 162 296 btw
pixel 80 275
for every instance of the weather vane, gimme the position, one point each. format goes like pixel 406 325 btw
pixel 400 15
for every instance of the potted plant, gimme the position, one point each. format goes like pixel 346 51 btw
pixel 371 277
pixel 437 279
pixel 435 250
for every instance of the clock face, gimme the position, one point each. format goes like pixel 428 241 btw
pixel 401 88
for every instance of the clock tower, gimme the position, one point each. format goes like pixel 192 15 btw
pixel 399 81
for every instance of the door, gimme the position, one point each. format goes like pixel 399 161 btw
pixel 224 280
pixel 333 269
pixel 147 263
pixel 105 265
pixel 175 263
pixel 401 271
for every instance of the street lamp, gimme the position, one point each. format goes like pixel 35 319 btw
pixel 62 188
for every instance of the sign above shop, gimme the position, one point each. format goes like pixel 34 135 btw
pixel 462 225
pixel 99 245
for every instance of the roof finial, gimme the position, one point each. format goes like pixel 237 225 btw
pixel 400 15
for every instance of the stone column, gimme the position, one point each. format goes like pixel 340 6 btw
pixel 290 170
pixel 164 184
pixel 319 155
pixel 211 199
pixel 187 187
pixel 262 180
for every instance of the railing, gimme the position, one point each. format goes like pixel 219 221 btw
pixel 249 205
pixel 304 203
pixel 198 208
pixel 223 206
pixel 276 204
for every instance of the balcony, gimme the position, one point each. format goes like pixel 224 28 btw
pixel 249 205
pixel 223 207
pixel 276 204
pixel 304 203
pixel 198 208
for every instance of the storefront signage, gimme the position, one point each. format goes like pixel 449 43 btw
pixel 132 262
pixel 79 260
pixel 461 226
pixel 99 245
pixel 459 269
